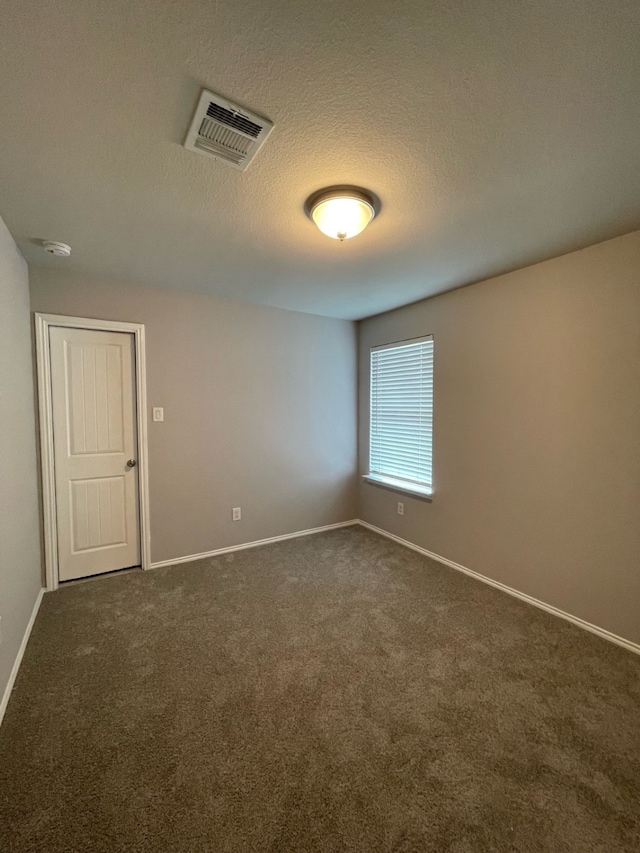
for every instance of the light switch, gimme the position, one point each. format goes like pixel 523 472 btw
pixel 158 413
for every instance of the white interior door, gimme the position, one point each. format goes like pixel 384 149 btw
pixel 95 451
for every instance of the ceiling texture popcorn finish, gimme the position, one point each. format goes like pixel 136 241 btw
pixel 495 133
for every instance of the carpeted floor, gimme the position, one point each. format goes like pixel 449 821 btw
pixel 331 693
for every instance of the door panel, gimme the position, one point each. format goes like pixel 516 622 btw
pixel 95 379
pixel 94 427
pixel 98 509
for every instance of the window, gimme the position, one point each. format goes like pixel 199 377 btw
pixel 401 425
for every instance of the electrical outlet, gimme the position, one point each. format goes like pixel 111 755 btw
pixel 236 513
pixel 158 413
pixel 400 508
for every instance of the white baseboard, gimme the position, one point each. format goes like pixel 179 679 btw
pixel 255 544
pixel 581 623
pixel 19 656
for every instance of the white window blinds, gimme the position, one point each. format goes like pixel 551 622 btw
pixel 401 425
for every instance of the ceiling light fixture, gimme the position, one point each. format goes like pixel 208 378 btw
pixel 342 212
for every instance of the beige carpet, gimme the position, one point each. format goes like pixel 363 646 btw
pixel 332 693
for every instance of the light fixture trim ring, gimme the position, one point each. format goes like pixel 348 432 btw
pixel 342 191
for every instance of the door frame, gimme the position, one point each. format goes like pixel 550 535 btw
pixel 47 459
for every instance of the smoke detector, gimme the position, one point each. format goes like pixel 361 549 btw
pixel 54 247
pixel 226 132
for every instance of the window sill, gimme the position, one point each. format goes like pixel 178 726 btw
pixel 422 492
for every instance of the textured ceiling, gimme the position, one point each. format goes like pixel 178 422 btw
pixel 495 132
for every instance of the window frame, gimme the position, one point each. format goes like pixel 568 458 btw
pixel 415 488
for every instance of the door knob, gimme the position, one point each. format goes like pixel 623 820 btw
pixel 131 463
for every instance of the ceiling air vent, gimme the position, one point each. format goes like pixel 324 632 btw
pixel 226 132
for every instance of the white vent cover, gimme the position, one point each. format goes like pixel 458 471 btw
pixel 226 132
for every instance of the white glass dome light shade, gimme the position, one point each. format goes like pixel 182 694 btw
pixel 342 214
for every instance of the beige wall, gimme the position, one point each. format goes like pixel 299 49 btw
pixel 20 562
pixel 259 406
pixel 536 433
